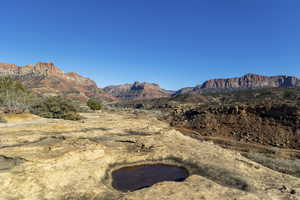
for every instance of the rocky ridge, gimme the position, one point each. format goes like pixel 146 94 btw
pixel 248 81
pixel 275 125
pixel 47 79
pixel 137 90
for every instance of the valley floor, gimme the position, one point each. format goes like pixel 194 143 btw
pixel 71 160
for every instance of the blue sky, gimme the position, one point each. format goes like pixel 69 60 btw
pixel 176 43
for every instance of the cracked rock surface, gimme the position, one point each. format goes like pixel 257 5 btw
pixel 64 160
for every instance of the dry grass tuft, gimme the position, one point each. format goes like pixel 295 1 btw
pixel 18 117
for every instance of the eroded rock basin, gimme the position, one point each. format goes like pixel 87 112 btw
pixel 68 160
pixel 141 176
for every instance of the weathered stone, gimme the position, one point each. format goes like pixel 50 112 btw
pixel 76 159
pixel 47 79
pixel 248 81
pixel 276 124
pixel 137 90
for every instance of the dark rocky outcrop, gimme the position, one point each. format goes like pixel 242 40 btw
pixel 268 124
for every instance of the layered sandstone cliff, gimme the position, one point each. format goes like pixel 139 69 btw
pixel 248 81
pixel 47 79
pixel 137 90
pixel 252 81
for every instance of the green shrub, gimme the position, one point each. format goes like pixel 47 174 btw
pixel 2 120
pixel 14 96
pixel 94 104
pixel 289 95
pixel 56 107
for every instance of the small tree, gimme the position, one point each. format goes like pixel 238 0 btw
pixel 14 96
pixel 56 107
pixel 94 104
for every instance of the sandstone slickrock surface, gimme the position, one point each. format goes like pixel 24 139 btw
pixel 56 160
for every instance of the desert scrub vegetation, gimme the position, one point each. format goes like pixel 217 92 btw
pixel 94 104
pixel 56 107
pixel 14 96
pixel 257 95
pixel 283 165
pixel 2 120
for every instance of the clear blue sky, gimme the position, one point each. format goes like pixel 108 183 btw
pixel 176 43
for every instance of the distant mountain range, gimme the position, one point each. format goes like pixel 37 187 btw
pixel 248 81
pixel 47 79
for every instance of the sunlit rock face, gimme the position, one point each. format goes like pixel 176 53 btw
pixel 252 81
pixel 248 81
pixel 137 90
pixel 39 69
pixel 47 79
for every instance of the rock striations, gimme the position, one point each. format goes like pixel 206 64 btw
pixel 248 81
pixel 137 90
pixel 46 159
pixel 47 79
pixel 252 81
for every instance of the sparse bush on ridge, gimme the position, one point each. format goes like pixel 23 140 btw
pixel 56 107
pixel 94 104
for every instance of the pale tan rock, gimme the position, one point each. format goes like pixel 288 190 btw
pixel 57 159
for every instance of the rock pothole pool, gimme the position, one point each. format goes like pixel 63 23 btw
pixel 128 179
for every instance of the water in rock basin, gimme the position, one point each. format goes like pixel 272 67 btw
pixel 141 176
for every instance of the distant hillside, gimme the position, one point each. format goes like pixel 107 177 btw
pixel 47 79
pixel 137 90
pixel 248 81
